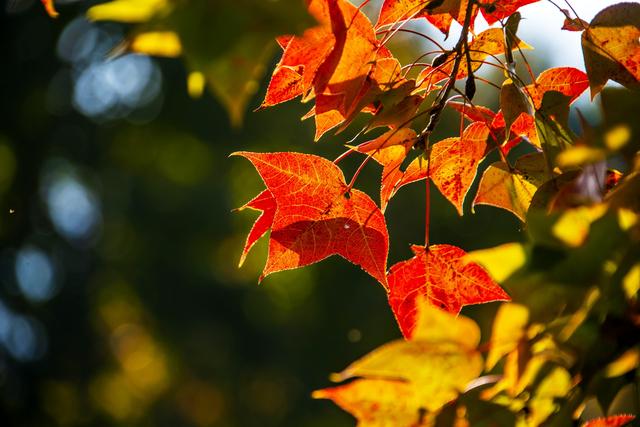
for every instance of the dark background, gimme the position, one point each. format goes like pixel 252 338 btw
pixel 120 299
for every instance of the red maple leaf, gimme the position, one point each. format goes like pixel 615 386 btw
pixel 317 215
pixel 303 55
pixel 441 275
pixel 612 421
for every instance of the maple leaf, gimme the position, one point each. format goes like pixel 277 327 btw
pixel 317 216
pixel 427 372
pixel 440 274
pixel 341 76
pixel 452 167
pixel 454 163
pixel 509 188
pixel 302 57
pixel 611 421
pixel 611 47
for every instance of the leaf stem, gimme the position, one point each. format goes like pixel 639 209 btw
pixel 436 111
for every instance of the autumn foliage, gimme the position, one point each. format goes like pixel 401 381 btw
pixel 567 328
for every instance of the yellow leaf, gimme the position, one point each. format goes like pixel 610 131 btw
pixel 195 84
pixel 129 11
pixel 579 155
pixel 626 362
pixel 573 226
pixel 627 218
pixel 631 281
pixel 440 360
pixel 611 47
pixel 379 403
pixel 617 137
pixel 576 319
pixel 157 43
pixel 555 385
pixel 508 329
pixel 512 189
pixel 500 261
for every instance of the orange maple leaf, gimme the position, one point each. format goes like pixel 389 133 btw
pixel 612 421
pixel 317 215
pixel 439 273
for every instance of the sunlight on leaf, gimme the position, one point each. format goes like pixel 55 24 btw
pixel 500 261
pixel 508 329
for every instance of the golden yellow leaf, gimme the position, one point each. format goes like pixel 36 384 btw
pixel 157 43
pixel 500 261
pixel 512 189
pixel 627 218
pixel 129 11
pixel 573 226
pixel 631 281
pixel 617 137
pixel 542 404
pixel 440 360
pixel 579 155
pixel 379 403
pixel 629 360
pixel 611 47
pixel 576 319
pixel 508 329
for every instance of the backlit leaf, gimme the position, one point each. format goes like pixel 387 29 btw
pixel 441 274
pixel 611 47
pixel 612 421
pixel 439 361
pixel 512 188
pixel 569 81
pixel 509 327
pixel 500 261
pixel 454 162
pixel 316 217
pixel 378 402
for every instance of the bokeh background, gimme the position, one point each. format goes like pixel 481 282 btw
pixel 121 303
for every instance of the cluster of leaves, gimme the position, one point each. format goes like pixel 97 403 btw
pixel 575 280
pixel 567 338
